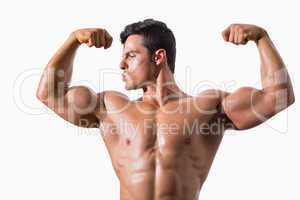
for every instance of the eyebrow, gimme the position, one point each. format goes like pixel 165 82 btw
pixel 132 51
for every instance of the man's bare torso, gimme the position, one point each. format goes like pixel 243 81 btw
pixel 162 150
pixel 161 153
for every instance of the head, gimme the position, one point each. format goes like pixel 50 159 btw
pixel 148 46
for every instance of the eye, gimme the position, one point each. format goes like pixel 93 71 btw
pixel 131 55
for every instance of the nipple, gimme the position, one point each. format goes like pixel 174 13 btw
pixel 127 142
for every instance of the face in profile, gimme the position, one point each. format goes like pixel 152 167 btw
pixel 138 69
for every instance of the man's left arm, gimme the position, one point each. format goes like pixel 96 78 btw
pixel 248 107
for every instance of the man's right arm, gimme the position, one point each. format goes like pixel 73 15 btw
pixel 79 104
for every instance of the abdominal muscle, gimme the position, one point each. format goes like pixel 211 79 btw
pixel 156 175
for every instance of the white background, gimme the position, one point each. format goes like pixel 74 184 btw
pixel 43 157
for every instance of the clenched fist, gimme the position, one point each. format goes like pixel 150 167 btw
pixel 93 37
pixel 242 33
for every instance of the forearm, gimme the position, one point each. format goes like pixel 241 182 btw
pixel 58 72
pixel 274 75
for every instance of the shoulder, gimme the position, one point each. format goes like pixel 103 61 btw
pixel 215 98
pixel 213 93
pixel 114 99
pixel 210 98
pixel 109 95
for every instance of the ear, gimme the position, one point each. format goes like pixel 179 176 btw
pixel 160 56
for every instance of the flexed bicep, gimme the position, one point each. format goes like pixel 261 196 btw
pixel 80 106
pixel 248 107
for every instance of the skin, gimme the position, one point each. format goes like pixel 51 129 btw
pixel 162 145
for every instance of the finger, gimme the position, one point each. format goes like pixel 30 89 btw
pixel 102 38
pixel 108 40
pixel 236 37
pixel 90 43
pixel 226 33
pixel 97 39
pixel 241 38
pixel 246 39
pixel 92 38
pixel 231 36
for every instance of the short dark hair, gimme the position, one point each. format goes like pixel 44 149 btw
pixel 156 35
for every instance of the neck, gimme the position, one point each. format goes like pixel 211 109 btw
pixel 163 89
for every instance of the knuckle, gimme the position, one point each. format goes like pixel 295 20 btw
pixel 234 25
pixel 89 34
pixel 240 29
pixel 100 31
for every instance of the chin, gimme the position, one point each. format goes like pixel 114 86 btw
pixel 130 87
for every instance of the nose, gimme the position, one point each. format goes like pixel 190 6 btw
pixel 123 65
